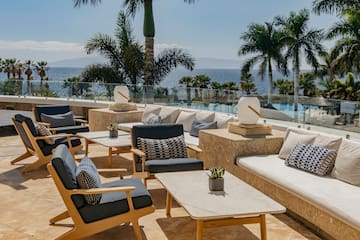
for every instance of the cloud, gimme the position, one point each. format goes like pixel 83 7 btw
pixel 41 46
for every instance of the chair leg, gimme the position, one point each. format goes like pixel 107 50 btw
pixel 33 166
pixel 136 228
pixel 59 217
pixel 21 157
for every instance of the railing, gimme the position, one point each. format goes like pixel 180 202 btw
pixel 316 111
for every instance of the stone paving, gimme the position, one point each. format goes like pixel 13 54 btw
pixel 29 200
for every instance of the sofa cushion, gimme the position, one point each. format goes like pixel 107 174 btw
pixel 205 116
pixel 128 126
pixel 186 119
pixel 291 140
pixel 174 147
pixel 148 110
pixel 88 177
pixel 311 158
pixel 332 143
pixel 44 131
pixel 169 114
pixel 173 165
pixel 329 193
pixel 223 120
pixel 347 163
pixel 191 139
pixel 152 119
pixel 59 120
pixel 199 125
pixel 113 204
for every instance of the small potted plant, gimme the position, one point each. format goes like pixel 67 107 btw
pixel 113 131
pixel 216 179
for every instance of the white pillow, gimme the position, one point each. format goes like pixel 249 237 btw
pixel 186 119
pixel 222 120
pixel 148 110
pixel 169 114
pixel 205 116
pixel 347 163
pixel 332 143
pixel 293 139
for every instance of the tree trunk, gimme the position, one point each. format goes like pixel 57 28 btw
pixel 270 89
pixel 296 85
pixel 188 93
pixel 149 33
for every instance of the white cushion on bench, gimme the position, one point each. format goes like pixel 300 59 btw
pixel 128 126
pixel 329 193
pixel 191 139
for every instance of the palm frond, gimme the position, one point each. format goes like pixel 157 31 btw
pixel 78 3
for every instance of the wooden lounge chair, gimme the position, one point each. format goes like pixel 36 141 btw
pixel 76 125
pixel 36 146
pixel 146 168
pixel 122 201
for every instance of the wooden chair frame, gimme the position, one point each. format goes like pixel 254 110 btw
pixel 147 175
pixel 42 159
pixel 82 229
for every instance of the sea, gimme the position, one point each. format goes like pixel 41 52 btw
pixel 172 80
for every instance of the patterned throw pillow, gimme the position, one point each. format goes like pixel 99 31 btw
pixel 152 119
pixel 163 148
pixel 311 158
pixel 44 131
pixel 87 177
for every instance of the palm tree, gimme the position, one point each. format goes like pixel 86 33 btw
pixel 300 40
pixel 42 68
pixel 9 67
pixel 76 86
pixel 187 81
pixel 285 87
pixel 149 30
pixel 266 43
pixel 346 90
pixel 346 52
pixel 201 81
pixel 19 69
pixel 28 72
pixel 307 83
pixel 247 83
pixel 330 6
pixel 217 87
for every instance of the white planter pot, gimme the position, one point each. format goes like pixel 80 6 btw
pixel 245 114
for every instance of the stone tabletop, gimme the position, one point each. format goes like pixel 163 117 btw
pixel 102 137
pixel 191 191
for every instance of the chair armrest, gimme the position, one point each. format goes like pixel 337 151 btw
pixel 82 121
pixel 53 136
pixel 101 190
pixel 194 148
pixel 44 124
pixel 138 152
pixel 120 171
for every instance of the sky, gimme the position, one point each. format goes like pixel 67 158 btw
pixel 54 30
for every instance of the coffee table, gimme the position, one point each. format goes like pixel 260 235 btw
pixel 121 144
pixel 240 203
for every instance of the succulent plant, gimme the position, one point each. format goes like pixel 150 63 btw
pixel 112 126
pixel 216 173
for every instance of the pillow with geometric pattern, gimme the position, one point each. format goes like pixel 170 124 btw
pixel 311 158
pixel 163 148
pixel 88 177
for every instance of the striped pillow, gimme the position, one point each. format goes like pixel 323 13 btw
pixel 44 131
pixel 87 177
pixel 311 158
pixel 163 148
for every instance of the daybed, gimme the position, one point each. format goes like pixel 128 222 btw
pixel 327 204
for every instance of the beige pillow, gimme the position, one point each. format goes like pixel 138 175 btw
pixel 205 116
pixel 347 163
pixel 44 131
pixel 222 120
pixel 186 119
pixel 148 110
pixel 293 139
pixel 332 143
pixel 168 114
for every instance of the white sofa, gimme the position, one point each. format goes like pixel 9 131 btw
pixel 329 205
pixel 207 116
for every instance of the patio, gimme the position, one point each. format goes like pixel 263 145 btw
pixel 30 200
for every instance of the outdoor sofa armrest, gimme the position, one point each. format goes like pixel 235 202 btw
pixel 194 148
pixel 141 154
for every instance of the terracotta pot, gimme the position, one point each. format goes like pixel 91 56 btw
pixel 216 184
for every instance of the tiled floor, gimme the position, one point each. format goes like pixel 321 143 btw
pixel 28 201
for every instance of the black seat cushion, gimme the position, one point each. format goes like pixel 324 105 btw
pixel 65 167
pixel 72 129
pixel 50 109
pixel 112 204
pixel 47 148
pixel 173 165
